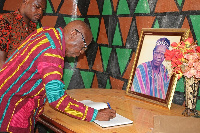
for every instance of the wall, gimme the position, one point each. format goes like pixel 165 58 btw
pixel 116 27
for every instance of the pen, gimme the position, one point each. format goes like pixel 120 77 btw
pixel 108 105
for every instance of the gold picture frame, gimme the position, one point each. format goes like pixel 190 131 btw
pixel 144 53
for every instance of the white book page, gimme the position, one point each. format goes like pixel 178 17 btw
pixel 118 120
pixel 95 105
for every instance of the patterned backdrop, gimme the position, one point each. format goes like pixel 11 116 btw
pixel 116 26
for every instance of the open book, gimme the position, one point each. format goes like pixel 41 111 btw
pixel 118 120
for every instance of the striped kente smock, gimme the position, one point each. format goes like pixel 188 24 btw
pixel 146 81
pixel 33 75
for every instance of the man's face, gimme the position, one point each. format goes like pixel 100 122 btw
pixel 34 9
pixel 159 55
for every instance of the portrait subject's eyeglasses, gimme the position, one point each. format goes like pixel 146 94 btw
pixel 83 38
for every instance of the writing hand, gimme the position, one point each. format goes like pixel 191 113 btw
pixel 105 114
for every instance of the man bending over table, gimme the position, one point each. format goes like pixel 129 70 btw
pixel 33 75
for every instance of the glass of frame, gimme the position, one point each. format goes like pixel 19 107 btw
pixel 151 78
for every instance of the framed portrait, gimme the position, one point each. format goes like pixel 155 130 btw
pixel 151 78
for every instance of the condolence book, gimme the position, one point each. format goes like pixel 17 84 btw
pixel 117 121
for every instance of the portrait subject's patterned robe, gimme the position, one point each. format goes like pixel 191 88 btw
pixel 146 81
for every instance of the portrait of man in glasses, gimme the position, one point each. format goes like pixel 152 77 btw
pixel 151 77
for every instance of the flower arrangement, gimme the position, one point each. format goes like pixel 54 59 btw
pixel 185 58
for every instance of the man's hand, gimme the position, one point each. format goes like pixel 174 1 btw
pixel 105 114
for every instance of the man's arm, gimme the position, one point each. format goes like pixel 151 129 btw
pixel 2 58
pixel 59 99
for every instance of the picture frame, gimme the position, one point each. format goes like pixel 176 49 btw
pixel 145 50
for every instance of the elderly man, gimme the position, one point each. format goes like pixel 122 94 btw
pixel 33 75
pixel 16 26
pixel 151 78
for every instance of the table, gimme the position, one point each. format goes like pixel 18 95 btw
pixel 140 112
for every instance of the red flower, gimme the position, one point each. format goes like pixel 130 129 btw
pixel 174 44
pixel 174 65
pixel 185 58
pixel 168 54
pixel 190 51
pixel 189 40
pixel 198 49
pixel 182 45
pixel 179 55
pixel 176 60
pixel 176 51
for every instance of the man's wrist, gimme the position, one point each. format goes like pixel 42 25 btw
pixel 94 115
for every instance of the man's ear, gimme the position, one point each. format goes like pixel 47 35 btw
pixel 73 33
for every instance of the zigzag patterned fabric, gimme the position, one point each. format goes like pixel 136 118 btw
pixel 33 74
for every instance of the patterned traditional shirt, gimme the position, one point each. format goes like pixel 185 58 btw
pixel 148 82
pixel 13 30
pixel 33 74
